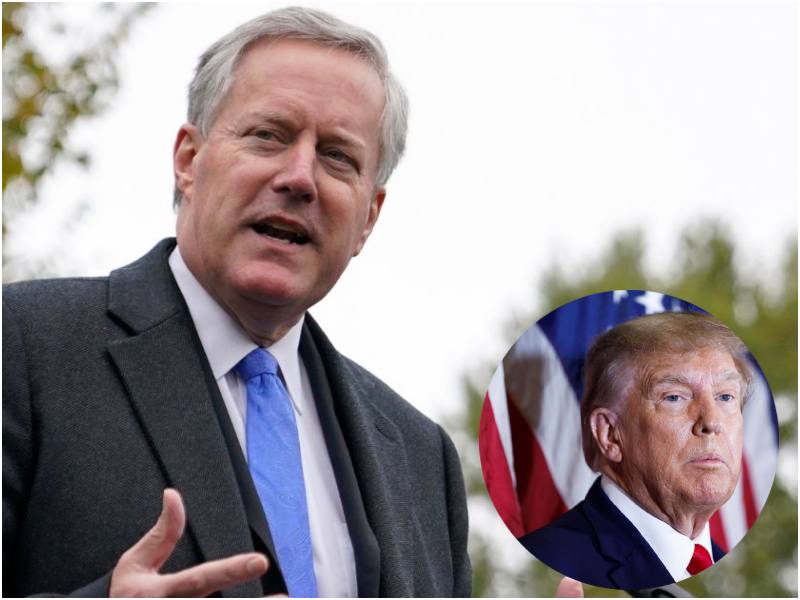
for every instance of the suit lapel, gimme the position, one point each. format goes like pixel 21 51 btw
pixel 375 448
pixel 365 546
pixel 161 366
pixel 630 556
pixel 717 551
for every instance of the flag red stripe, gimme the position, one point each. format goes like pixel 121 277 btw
pixel 496 472
pixel 539 500
pixel 750 510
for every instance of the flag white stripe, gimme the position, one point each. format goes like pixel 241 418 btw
pixel 733 517
pixel 551 410
pixel 497 398
pixel 759 442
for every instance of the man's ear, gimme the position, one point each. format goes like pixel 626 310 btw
pixel 375 205
pixel 187 145
pixel 605 429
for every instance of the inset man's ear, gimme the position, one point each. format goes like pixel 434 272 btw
pixel 606 433
pixel 187 145
pixel 375 205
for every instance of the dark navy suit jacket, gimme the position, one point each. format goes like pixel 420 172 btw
pixel 595 543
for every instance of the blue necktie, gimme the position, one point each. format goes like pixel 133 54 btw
pixel 273 455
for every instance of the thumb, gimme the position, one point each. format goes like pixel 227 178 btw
pixel 156 546
pixel 569 588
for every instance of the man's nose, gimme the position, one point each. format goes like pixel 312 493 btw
pixel 708 415
pixel 295 175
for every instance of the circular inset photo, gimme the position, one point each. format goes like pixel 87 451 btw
pixel 629 439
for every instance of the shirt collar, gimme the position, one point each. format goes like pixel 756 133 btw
pixel 223 339
pixel 674 549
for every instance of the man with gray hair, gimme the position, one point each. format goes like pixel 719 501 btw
pixel 183 427
pixel 661 419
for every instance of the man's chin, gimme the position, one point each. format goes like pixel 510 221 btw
pixel 712 490
pixel 270 285
pixel 291 289
pixel 266 312
pixel 273 295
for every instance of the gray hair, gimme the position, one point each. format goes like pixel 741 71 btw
pixel 217 66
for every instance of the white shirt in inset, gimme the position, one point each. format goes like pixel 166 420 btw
pixel 674 549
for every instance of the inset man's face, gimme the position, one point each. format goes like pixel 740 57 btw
pixel 681 430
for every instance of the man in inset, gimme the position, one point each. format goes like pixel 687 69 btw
pixel 662 422
pixel 193 384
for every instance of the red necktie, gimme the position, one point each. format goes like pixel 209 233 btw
pixel 700 560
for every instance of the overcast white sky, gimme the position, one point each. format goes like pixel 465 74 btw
pixel 537 131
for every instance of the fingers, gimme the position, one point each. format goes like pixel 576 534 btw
pixel 569 588
pixel 155 547
pixel 136 573
pixel 210 577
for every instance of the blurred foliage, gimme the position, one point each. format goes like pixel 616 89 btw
pixel 763 314
pixel 55 72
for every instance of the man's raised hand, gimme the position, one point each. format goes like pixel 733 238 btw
pixel 137 572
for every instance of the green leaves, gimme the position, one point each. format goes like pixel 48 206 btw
pixel 43 97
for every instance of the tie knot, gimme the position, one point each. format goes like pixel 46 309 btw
pixel 701 560
pixel 258 362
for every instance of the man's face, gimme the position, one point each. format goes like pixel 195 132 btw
pixel 281 194
pixel 681 430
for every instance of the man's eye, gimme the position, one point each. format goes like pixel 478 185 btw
pixel 263 134
pixel 727 397
pixel 672 398
pixel 338 156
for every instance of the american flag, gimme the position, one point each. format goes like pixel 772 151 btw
pixel 530 435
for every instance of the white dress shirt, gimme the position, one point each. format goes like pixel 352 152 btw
pixel 225 344
pixel 674 549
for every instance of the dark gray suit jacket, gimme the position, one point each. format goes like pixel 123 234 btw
pixel 108 398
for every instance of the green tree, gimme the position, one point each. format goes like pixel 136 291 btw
pixel 55 72
pixel 763 314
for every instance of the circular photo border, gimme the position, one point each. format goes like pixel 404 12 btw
pixel 530 435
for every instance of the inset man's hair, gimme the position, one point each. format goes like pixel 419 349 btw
pixel 216 72
pixel 614 361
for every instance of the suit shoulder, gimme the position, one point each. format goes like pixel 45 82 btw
pixel 568 545
pixel 54 293
pixel 572 527
pixel 386 400
pixel 350 380
pixel 55 304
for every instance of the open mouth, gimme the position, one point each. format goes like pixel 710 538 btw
pixel 283 232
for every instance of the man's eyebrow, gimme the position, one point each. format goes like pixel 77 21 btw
pixel 268 117
pixel 670 380
pixel 652 382
pixel 729 376
pixel 649 379
pixel 340 135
